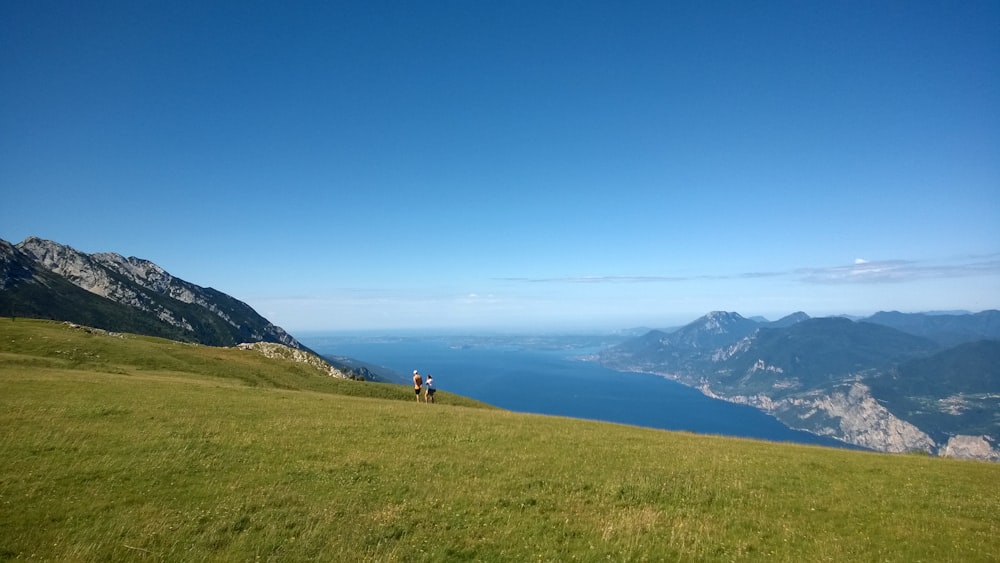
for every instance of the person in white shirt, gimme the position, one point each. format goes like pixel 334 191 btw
pixel 429 393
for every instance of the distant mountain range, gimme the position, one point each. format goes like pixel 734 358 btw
pixel 891 382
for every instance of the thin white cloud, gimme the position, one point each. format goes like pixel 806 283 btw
pixel 860 271
pixel 899 271
pixel 477 299
pixel 639 279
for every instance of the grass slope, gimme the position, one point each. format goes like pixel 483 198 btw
pixel 136 449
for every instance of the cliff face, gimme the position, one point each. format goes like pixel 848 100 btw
pixel 96 274
pixel 144 297
pixel 848 413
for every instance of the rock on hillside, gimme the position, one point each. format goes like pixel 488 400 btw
pixel 280 351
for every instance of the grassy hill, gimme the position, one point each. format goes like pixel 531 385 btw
pixel 130 448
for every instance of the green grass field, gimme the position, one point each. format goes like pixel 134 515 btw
pixel 137 449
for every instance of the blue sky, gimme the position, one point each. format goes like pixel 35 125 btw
pixel 516 165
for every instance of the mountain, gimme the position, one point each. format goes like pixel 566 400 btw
pixel 674 349
pixel 863 383
pixel 714 329
pixel 685 348
pixel 821 349
pixel 944 328
pixel 950 392
pixel 44 279
pixel 789 320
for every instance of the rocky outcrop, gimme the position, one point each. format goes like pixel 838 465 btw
pixel 75 266
pixel 970 447
pixel 280 351
pixel 850 415
pixel 862 421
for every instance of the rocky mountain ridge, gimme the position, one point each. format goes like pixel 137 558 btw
pixel 45 279
pixel 863 383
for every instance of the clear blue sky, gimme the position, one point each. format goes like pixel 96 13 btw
pixel 539 165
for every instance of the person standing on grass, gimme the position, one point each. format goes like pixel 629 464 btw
pixel 417 382
pixel 429 393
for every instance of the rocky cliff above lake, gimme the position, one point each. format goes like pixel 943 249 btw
pixel 863 383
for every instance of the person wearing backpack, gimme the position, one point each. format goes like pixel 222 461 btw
pixel 417 383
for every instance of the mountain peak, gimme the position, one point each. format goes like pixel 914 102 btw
pixel 789 320
pixel 717 328
pixel 724 316
pixel 719 321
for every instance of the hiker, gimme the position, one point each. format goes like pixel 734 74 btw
pixel 429 393
pixel 417 382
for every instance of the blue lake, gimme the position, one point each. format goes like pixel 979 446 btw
pixel 554 382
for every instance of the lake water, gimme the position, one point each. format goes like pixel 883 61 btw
pixel 555 382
